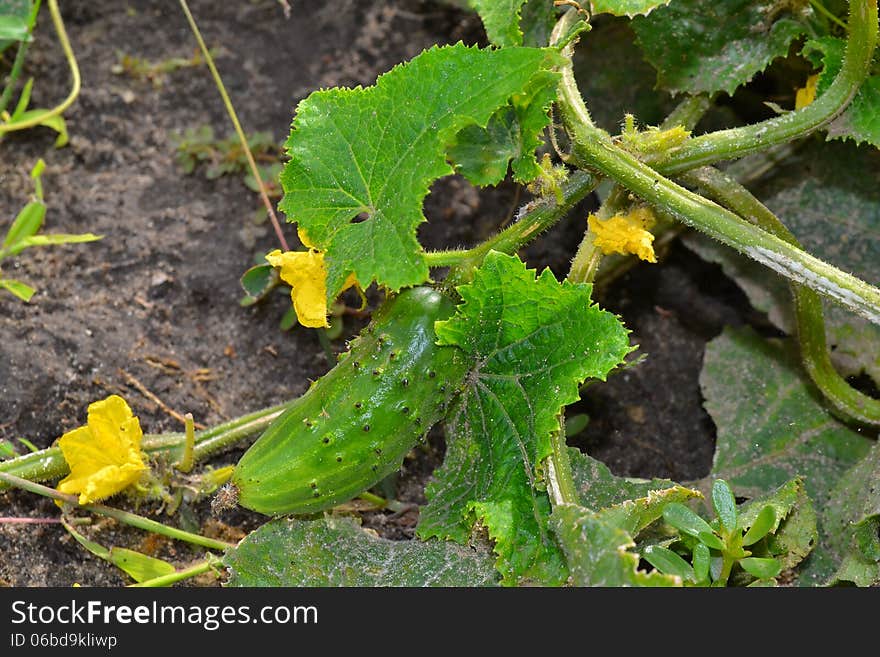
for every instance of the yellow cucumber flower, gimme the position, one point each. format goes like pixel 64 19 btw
pixel 625 233
pixel 806 94
pixel 105 455
pixel 306 274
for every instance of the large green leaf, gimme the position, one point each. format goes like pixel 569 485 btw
pixel 704 46
pixel 861 119
pixel 772 427
pixel 512 135
pixel 535 340
pixel 793 532
pixel 852 520
pixel 829 197
pixel 598 551
pixel 362 160
pixel 598 488
pixel 597 543
pixel 335 551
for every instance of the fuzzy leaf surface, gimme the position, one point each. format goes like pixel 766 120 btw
pixel 597 543
pixel 362 160
pixel 771 427
pixel 598 488
pixel 705 46
pixel 793 532
pixel 335 551
pixel 511 136
pixel 534 341
pixel 852 520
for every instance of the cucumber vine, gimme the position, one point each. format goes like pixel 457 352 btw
pixel 473 340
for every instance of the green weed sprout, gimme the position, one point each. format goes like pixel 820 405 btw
pixel 717 548
pixel 22 234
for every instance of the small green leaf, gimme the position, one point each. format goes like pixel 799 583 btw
pixel 762 525
pixel 711 540
pixel 668 562
pixel 14 28
pixel 7 450
pixel 362 160
pixel 30 446
pixel 55 122
pixel 702 558
pixel 52 240
pixel 534 340
pixel 26 224
pixel 258 281
pixel 335 551
pixel 761 568
pixel 724 504
pixel 704 46
pixel 139 566
pixel 23 101
pixel 685 520
pixel 576 423
pixel 19 289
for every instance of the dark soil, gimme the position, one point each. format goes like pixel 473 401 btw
pixel 154 306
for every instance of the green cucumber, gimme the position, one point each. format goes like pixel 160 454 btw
pixel 355 424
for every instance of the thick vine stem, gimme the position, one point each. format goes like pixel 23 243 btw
pixel 846 401
pixel 49 463
pixel 737 142
pixel 594 148
pixel 532 220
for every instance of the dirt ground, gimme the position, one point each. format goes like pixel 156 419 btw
pixel 154 305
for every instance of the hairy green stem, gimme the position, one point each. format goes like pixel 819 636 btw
pixel 49 463
pixel 560 482
pixel 74 74
pixel 737 142
pixel 117 514
pixel 688 112
pixel 845 400
pixel 533 219
pixel 594 148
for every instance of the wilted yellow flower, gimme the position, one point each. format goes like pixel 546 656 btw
pixel 807 94
pixel 625 233
pixel 104 456
pixel 306 274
